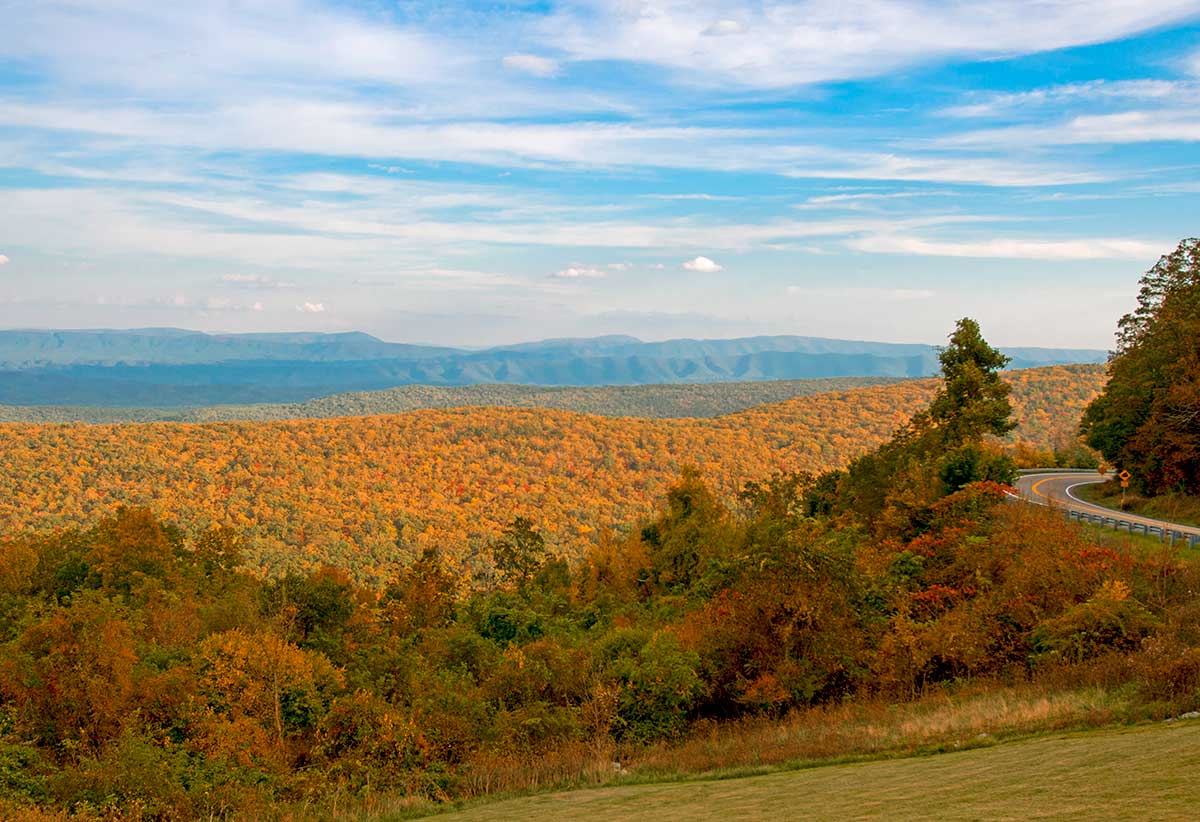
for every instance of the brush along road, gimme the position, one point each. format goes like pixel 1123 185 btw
pixel 1061 490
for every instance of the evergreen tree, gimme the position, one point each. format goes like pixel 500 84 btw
pixel 942 448
pixel 1147 420
pixel 973 399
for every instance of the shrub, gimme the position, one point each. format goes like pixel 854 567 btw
pixel 658 682
pixel 1110 620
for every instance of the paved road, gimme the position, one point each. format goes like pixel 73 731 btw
pixel 1061 491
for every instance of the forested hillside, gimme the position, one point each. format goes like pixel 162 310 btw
pixel 369 494
pixel 181 369
pixel 654 401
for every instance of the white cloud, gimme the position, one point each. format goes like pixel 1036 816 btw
pixel 255 281
pixel 579 272
pixel 4 260
pixel 1169 125
pixel 724 27
pixel 620 266
pixel 786 44
pixel 702 265
pixel 347 129
pixel 1091 92
pixel 311 308
pixel 1078 249
pixel 1192 63
pixel 155 46
pixel 858 200
pixel 531 64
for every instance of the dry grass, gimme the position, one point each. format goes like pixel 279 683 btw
pixel 944 721
pixel 1144 773
pixel 977 716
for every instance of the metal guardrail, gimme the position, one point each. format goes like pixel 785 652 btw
pixel 1168 535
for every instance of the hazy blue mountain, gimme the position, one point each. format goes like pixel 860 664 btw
pixel 174 368
pixel 172 346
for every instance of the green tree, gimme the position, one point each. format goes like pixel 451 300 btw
pixel 520 552
pixel 973 399
pixel 688 532
pixel 939 450
pixel 1147 420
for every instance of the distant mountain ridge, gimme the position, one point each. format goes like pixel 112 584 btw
pixel 177 368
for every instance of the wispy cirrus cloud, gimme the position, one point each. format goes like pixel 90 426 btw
pixel 787 44
pixel 345 130
pixel 1095 91
pixel 1179 125
pixel 1097 248
pixel 533 64
pixel 385 155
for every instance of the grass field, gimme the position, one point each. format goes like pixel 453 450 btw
pixel 1140 773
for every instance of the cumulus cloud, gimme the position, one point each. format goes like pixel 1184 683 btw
pixel 579 272
pixel 702 265
pixel 620 266
pixel 311 308
pixel 3 260
pixel 531 64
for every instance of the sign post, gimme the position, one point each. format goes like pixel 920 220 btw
pixel 1124 475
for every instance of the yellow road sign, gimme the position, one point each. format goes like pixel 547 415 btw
pixel 1125 475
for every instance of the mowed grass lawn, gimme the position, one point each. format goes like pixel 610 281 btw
pixel 1138 773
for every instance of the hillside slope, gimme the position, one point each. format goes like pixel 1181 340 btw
pixel 367 493
pixel 651 401
pixel 178 369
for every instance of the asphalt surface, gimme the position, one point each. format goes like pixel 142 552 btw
pixel 1060 490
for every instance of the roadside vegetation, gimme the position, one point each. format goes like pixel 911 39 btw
pixel 1147 419
pixel 900 605
pixel 1172 507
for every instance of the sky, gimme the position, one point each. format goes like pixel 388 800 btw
pixel 492 172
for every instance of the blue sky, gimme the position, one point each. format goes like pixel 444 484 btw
pixel 493 172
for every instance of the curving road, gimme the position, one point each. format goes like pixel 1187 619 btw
pixel 1059 490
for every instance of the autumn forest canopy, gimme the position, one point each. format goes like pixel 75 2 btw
pixel 393 613
pixel 370 494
